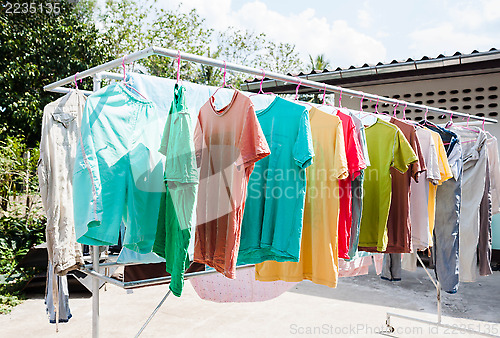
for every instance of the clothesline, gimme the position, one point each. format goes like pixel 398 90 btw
pixel 56 86
pixel 97 73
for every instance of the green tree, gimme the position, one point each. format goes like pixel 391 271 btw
pixel 250 49
pixel 319 63
pixel 131 26
pixel 37 49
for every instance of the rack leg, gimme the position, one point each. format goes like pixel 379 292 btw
pixel 95 293
pixel 439 301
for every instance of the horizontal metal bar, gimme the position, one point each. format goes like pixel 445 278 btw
pixel 446 326
pixel 150 281
pixel 64 90
pixel 97 69
pixel 110 75
pixel 100 276
pixel 254 71
pixel 159 280
pixel 308 83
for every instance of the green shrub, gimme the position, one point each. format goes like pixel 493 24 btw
pixel 22 225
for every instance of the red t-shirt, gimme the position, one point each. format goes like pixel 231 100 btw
pixel 355 163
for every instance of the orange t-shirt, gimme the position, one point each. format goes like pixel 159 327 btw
pixel 228 142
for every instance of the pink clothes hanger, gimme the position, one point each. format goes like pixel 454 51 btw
pixel 178 66
pixel 297 93
pixel 361 103
pixel 404 111
pixel 426 111
pixel 366 114
pixel 467 126
pixel 297 89
pixel 125 82
pixel 324 98
pixel 395 107
pixel 450 122
pixel 261 91
pixel 340 98
pixel 224 84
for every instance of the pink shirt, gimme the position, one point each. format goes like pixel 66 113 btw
pixel 243 289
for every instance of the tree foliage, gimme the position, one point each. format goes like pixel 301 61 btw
pixel 130 26
pixel 319 62
pixel 37 49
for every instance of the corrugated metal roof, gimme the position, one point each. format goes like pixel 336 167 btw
pixel 394 66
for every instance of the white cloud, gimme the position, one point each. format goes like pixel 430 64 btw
pixel 311 32
pixel 445 38
pixel 475 14
pixel 491 10
pixel 364 18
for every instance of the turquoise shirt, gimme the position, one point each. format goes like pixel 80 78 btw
pixel 118 174
pixel 274 208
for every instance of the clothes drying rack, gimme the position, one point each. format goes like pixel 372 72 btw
pixel 101 71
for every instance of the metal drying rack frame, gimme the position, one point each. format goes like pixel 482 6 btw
pixel 101 71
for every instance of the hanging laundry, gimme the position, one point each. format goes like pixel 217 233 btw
pixel 474 155
pixel 391 269
pixel 419 198
pixel 181 179
pixel 318 251
pixel 445 173
pixel 357 188
pixel 356 163
pixel 57 297
pixel 446 228
pixel 494 166
pixel 272 222
pixel 58 146
pixel 484 240
pixel 489 206
pixel 228 142
pixel 360 265
pixel 398 221
pixel 387 147
pixel 244 289
pixel 118 169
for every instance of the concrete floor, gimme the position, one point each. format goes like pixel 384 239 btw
pixel 357 307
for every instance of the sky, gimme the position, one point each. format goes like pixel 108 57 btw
pixel 364 31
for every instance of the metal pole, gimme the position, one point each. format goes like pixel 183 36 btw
pixel 439 301
pixel 106 66
pixel 446 326
pixel 153 314
pixel 254 71
pixel 95 293
pixel 304 82
pixel 95 263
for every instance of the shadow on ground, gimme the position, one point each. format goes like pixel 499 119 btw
pixel 479 300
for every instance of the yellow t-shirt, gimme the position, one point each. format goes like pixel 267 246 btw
pixel 446 174
pixel 319 243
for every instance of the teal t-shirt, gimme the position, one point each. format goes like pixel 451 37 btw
pixel 274 208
